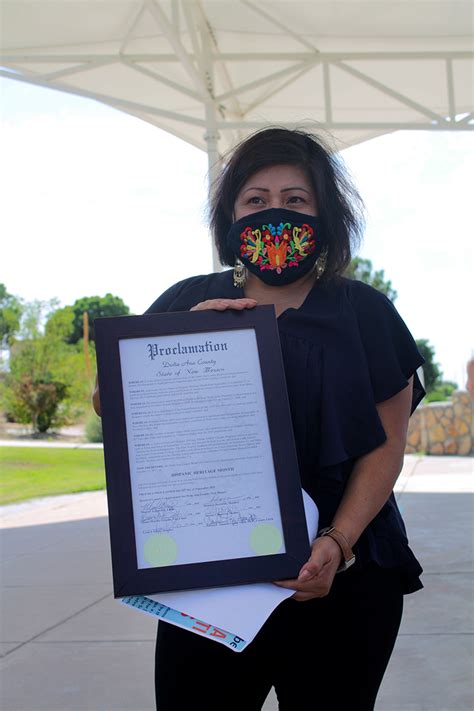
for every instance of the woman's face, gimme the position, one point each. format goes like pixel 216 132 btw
pixel 285 186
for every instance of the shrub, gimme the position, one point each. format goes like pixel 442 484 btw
pixel 436 396
pixel 442 391
pixel 93 429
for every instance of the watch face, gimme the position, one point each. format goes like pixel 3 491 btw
pixel 348 563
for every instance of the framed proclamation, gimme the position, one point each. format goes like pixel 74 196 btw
pixel 202 477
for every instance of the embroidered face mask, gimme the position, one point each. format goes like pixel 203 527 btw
pixel 277 245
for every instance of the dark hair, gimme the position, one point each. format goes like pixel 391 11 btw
pixel 340 206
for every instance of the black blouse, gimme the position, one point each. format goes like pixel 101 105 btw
pixel 344 350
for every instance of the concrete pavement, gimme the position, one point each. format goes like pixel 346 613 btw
pixel 68 646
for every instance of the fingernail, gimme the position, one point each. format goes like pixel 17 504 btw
pixel 304 575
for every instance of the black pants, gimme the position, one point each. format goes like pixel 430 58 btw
pixel 327 654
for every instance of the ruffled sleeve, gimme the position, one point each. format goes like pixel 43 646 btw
pixel 345 350
pixel 391 352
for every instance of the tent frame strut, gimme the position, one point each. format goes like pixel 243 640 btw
pixel 193 65
pixel 232 117
pixel 19 55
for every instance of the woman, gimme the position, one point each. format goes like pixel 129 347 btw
pixel 284 216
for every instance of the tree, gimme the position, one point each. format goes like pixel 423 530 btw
pixel 10 315
pixel 432 371
pixel 46 384
pixel 362 270
pixel 96 306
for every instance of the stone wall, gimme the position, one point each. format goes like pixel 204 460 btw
pixel 443 427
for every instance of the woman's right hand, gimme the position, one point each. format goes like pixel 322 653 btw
pixel 225 304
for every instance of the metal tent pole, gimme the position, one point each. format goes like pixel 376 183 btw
pixel 212 133
pixel 214 163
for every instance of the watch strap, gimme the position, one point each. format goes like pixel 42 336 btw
pixel 342 542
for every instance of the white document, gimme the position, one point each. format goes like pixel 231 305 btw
pixel 201 466
pixel 230 615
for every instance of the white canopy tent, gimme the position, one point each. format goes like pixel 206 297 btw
pixel 211 71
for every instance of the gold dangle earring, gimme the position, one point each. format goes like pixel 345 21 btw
pixel 321 263
pixel 240 274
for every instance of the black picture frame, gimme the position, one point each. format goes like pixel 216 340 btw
pixel 128 578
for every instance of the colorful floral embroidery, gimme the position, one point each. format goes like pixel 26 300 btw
pixel 279 247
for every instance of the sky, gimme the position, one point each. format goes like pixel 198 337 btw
pixel 96 201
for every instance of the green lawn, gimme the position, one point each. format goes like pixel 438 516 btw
pixel 26 472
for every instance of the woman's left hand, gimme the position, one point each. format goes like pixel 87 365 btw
pixel 316 576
